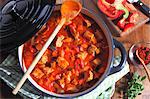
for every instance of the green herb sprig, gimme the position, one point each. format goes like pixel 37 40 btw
pixel 135 86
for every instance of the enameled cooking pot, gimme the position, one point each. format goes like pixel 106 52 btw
pixel 20 20
pixel 112 43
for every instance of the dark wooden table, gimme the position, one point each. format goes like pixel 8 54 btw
pixel 141 34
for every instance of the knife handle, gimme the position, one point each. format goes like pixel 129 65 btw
pixel 145 9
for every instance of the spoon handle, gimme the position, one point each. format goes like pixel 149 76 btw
pixel 39 55
pixel 147 71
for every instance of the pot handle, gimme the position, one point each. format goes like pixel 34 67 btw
pixel 115 69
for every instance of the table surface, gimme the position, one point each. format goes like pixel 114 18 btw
pixel 138 35
pixel 141 34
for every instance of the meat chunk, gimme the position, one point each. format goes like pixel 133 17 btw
pixel 53 64
pixel 98 50
pixel 84 45
pixel 58 88
pixel 73 31
pixel 97 61
pixel 68 39
pixel 88 35
pixel 62 82
pixel 71 87
pixel 82 55
pixel 59 41
pixel 91 76
pixel 37 73
pixel 62 62
pixel 88 23
pixel 93 40
pixel 92 49
pixel 55 53
pixel 68 76
pixel 47 70
pixel 45 57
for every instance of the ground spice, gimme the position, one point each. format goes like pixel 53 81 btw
pixel 144 53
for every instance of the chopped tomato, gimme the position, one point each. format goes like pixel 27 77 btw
pixel 78 64
pixel 110 1
pixel 109 10
pixel 28 56
pixel 128 26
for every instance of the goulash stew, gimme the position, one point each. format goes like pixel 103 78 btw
pixel 75 60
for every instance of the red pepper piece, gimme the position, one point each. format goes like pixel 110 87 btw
pixel 110 1
pixel 127 26
pixel 121 23
pixel 72 28
pixel 124 1
pixel 110 11
pixel 78 64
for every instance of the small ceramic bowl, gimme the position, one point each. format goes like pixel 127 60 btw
pixel 132 54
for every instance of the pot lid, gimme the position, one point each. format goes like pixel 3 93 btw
pixel 21 19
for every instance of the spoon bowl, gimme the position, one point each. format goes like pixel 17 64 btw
pixel 145 67
pixel 132 53
pixel 70 9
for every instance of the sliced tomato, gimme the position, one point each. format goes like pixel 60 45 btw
pixel 78 64
pixel 109 10
pixel 121 23
pixel 28 58
pixel 110 1
pixel 128 26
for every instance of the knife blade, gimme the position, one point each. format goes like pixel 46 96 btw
pixel 141 6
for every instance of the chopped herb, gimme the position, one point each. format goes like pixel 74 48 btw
pixel 135 86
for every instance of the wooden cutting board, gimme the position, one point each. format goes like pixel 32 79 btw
pixel 142 19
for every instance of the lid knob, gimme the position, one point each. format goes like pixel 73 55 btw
pixel 8 7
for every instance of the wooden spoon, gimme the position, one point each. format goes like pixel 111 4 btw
pixel 69 10
pixel 145 67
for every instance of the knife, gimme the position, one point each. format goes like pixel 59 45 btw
pixel 141 6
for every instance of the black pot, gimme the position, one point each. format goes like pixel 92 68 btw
pixel 112 43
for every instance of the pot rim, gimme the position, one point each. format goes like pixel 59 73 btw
pixel 106 32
